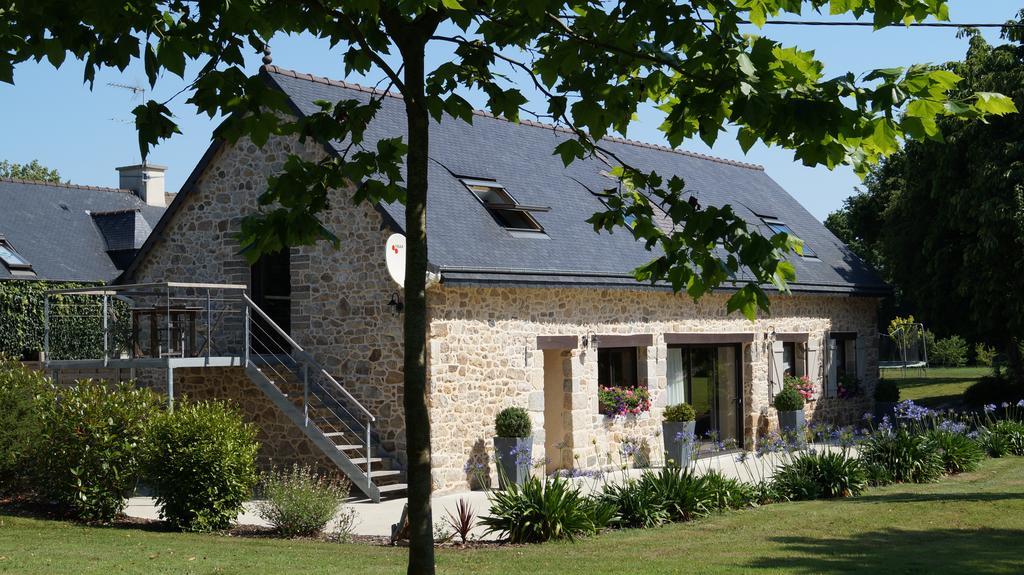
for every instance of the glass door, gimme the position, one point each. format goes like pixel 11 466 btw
pixel 709 379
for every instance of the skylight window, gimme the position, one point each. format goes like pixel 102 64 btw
pixel 505 210
pixel 11 258
pixel 781 228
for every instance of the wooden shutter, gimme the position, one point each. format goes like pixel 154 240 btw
pixel 862 364
pixel 831 369
pixel 814 362
pixel 775 371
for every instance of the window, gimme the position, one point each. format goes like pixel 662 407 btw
pixel 844 360
pixel 780 228
pixel 789 358
pixel 617 367
pixel 11 258
pixel 509 213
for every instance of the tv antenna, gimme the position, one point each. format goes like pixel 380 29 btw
pixel 138 93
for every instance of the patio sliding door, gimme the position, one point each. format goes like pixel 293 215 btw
pixel 708 378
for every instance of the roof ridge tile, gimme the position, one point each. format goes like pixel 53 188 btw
pixel 65 185
pixel 274 69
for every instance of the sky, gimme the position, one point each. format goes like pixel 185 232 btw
pixel 50 115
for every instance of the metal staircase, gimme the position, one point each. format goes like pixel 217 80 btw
pixel 320 406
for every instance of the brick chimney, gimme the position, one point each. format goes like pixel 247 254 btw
pixel 146 180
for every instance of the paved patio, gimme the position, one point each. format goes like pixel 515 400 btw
pixel 377 518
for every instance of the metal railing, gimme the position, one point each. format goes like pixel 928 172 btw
pixel 325 403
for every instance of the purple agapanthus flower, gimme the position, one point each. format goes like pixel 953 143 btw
pixel 989 407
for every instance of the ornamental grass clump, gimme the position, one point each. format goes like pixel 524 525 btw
pixel 93 441
pixel 683 494
pixel 201 464
pixel 960 454
pixel 639 503
pixel 299 502
pixel 821 475
pixel 1002 438
pixel 543 510
pixel 902 455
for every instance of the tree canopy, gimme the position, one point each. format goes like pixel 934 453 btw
pixel 30 171
pixel 594 63
pixel 944 219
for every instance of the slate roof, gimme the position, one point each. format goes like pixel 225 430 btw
pixel 467 245
pixel 73 233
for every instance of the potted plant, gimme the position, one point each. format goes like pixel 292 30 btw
pixel 887 395
pixel 849 387
pixel 790 404
pixel 677 433
pixel 513 445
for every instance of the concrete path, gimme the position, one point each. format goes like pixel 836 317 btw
pixel 376 518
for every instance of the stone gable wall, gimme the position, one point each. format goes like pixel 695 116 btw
pixel 339 296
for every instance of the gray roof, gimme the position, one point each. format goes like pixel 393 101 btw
pixel 468 245
pixel 73 233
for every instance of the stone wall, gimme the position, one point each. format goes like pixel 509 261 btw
pixel 339 296
pixel 484 357
pixel 282 444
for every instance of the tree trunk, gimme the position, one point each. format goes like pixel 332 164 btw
pixel 417 416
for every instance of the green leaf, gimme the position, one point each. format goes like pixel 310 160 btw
pixel 570 150
pixel 993 103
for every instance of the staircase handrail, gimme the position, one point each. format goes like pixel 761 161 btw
pixel 306 357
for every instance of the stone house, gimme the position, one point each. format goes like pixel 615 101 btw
pixel 61 235
pixel 528 306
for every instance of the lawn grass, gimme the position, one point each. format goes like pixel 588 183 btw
pixel 968 524
pixel 939 387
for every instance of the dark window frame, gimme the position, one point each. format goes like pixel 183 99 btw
pixel 22 263
pixel 510 214
pixel 605 368
pixel 778 226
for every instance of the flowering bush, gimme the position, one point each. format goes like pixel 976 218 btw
pixel 618 401
pixel 802 384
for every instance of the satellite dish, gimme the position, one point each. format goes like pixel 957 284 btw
pixel 394 256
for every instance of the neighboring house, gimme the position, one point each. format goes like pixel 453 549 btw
pixel 57 235
pixel 528 306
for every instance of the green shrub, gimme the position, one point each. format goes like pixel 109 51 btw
pixel 877 475
pixel 789 399
pixel 24 393
pixel 1003 438
pixel 680 412
pixel 513 422
pixel 94 437
pixel 993 389
pixel 683 494
pixel 960 454
pixel 542 510
pixel 950 352
pixel 887 391
pixel 727 492
pixel 984 355
pixel 903 456
pixel 821 475
pixel 639 503
pixel 299 502
pixel 201 464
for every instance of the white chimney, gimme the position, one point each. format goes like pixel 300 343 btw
pixel 146 180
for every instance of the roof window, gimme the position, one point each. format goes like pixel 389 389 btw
pixel 505 210
pixel 781 228
pixel 11 258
